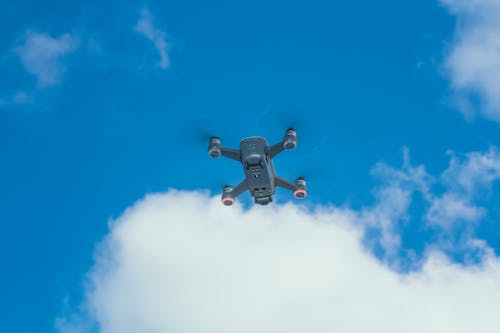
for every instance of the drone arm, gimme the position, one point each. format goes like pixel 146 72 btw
pixel 275 149
pixel 239 189
pixel 289 142
pixel 299 189
pixel 283 183
pixel 231 153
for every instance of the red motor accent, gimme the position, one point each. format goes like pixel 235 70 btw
pixel 228 201
pixel 300 194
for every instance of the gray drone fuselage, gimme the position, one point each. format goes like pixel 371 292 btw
pixel 256 156
pixel 258 168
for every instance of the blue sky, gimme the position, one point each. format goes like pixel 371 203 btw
pixel 102 103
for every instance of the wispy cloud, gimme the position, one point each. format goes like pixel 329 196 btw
pixel 21 97
pixel 42 56
pixel 17 98
pixel 158 37
pixel 393 199
pixel 452 203
pixel 473 173
pixel 446 210
pixel 459 210
pixel 474 60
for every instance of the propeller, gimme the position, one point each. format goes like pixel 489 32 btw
pixel 277 119
pixel 196 132
pixel 305 161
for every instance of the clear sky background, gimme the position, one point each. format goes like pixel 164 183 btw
pixel 102 103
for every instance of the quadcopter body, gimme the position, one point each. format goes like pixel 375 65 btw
pixel 256 157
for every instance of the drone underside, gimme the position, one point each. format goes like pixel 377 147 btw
pixel 256 157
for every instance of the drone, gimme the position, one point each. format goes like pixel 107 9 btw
pixel 256 156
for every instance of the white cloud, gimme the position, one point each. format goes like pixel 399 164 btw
pixel 393 199
pixel 474 60
pixel 21 97
pixel 450 208
pixel 18 98
pixel 475 173
pixel 158 37
pixel 467 179
pixel 468 185
pixel 42 56
pixel 181 262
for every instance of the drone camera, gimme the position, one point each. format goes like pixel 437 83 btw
pixel 263 200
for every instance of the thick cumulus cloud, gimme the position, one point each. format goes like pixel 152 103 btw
pixel 474 60
pixel 181 262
